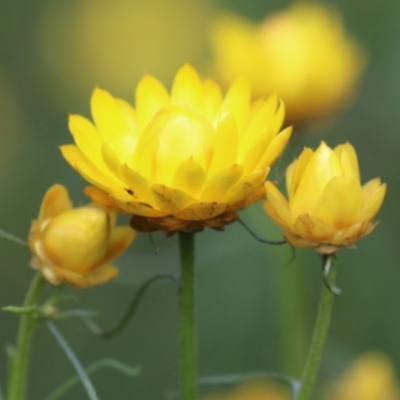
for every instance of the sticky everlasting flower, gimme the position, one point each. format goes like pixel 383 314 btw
pixel 75 245
pixel 327 205
pixel 181 160
pixel 370 377
pixel 302 53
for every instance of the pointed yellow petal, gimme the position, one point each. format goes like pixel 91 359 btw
pixel 354 232
pixel 237 101
pixel 98 177
pixel 275 148
pixel 189 177
pixel 245 187
pixel 131 207
pixel 300 166
pixel 187 88
pixel 201 211
pixel 313 229
pixel 99 196
pixel 278 207
pixel 120 239
pixel 137 184
pixel 321 168
pixel 373 204
pixel 370 187
pixel 220 183
pixel 225 143
pixel 167 199
pixel 212 98
pixel 151 96
pixel 107 115
pixel 340 202
pixel 55 201
pixel 348 157
pixel 86 137
pixel 101 275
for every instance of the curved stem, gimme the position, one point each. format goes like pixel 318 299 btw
pixel 17 380
pixel 320 329
pixel 187 316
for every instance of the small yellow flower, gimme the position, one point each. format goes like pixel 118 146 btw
pixel 327 205
pixel 76 245
pixel 302 53
pixel 181 160
pixel 371 377
pixel 257 390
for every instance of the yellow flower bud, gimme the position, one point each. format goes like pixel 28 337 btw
pixel 327 205
pixel 76 245
pixel 370 377
pixel 183 160
pixel 302 53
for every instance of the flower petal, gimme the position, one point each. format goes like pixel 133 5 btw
pixel 189 177
pixel 237 101
pixel 131 207
pixel 370 187
pixel 187 88
pixel 99 196
pixel 348 157
pixel 313 229
pixel 353 233
pixel 55 201
pixel 120 239
pixel 225 143
pixel 278 207
pixel 201 211
pixel 168 199
pixel 299 166
pixel 275 148
pixel 151 96
pixel 212 98
pixel 340 202
pixel 321 168
pixel 101 275
pixel 220 183
pixel 373 204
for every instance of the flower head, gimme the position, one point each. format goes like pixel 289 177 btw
pixel 179 160
pixel 302 53
pixel 76 245
pixel 327 205
pixel 370 377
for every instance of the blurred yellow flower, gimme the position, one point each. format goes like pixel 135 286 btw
pixel 181 160
pixel 327 205
pixel 76 245
pixel 257 390
pixel 302 53
pixel 371 377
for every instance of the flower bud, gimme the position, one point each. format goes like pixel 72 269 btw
pixel 327 205
pixel 76 245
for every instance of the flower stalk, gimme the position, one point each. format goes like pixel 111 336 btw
pixel 320 329
pixel 187 316
pixel 19 361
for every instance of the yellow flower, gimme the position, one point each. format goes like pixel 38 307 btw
pixel 327 205
pixel 371 377
pixel 179 160
pixel 302 53
pixel 257 390
pixel 76 245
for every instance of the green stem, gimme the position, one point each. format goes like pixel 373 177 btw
pixel 187 316
pixel 320 329
pixel 17 382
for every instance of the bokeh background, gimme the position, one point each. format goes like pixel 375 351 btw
pixel 256 306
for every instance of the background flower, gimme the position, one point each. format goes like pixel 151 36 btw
pixel 193 155
pixel 76 245
pixel 327 205
pixel 302 53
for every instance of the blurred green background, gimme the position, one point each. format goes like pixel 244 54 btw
pixel 251 297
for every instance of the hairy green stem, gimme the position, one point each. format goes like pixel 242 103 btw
pixel 320 329
pixel 187 316
pixel 18 373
